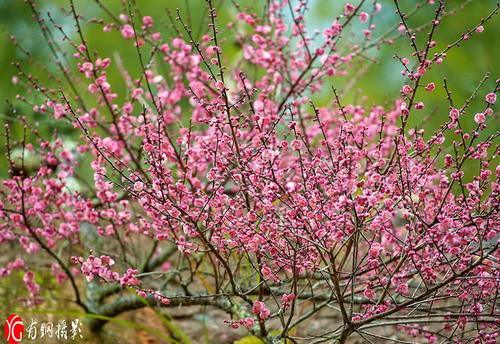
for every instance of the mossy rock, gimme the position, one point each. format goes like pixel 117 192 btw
pixel 249 340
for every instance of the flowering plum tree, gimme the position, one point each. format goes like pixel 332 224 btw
pixel 224 184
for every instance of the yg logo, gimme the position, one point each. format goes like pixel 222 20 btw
pixel 14 329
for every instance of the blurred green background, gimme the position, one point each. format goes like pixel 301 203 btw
pixel 375 80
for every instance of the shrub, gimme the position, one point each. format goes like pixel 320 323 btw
pixel 225 185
